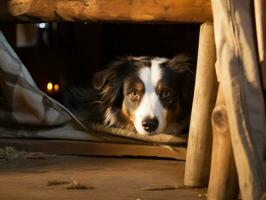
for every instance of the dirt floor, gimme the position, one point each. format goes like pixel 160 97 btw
pixel 82 177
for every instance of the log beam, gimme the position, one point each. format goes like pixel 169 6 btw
pixel 239 79
pixel 200 136
pixel 223 182
pixel 103 10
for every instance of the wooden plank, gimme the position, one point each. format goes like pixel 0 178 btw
pixel 70 147
pixel 102 10
pixel 200 139
pixel 223 182
pixel 106 178
pixel 239 79
pixel 260 19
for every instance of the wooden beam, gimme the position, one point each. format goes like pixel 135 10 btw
pixel 200 135
pixel 71 147
pixel 260 19
pixel 223 182
pixel 239 79
pixel 103 10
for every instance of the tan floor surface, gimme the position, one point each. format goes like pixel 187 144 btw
pixel 105 178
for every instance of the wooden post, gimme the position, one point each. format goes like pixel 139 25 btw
pixel 200 140
pixel 223 182
pixel 241 84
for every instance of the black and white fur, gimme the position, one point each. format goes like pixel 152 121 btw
pixel 147 94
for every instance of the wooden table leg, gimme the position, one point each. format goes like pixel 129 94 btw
pixel 200 140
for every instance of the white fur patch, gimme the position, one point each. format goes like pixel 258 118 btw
pixel 109 118
pixel 150 105
pixel 156 73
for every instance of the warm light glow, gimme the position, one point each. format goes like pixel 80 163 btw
pixel 56 87
pixel 49 86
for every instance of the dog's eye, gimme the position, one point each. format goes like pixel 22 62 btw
pixel 134 96
pixel 166 94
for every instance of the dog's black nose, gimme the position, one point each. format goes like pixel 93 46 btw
pixel 150 125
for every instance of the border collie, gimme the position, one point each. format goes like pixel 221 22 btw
pixel 147 94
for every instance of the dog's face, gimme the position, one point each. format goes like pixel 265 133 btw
pixel 153 95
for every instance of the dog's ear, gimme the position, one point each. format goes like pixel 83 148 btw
pixel 183 64
pixel 113 73
pixel 109 82
pixel 99 79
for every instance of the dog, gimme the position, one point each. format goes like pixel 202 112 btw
pixel 149 95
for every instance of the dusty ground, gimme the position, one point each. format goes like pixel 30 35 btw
pixel 80 177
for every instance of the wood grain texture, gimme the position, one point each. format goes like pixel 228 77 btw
pixel 223 182
pixel 200 139
pixel 70 147
pixel 102 10
pixel 240 81
pixel 260 19
pixel 106 178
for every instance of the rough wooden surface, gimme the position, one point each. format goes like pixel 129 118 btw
pixel 200 140
pixel 70 147
pixel 223 182
pixel 105 178
pixel 103 10
pixel 240 81
pixel 260 19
